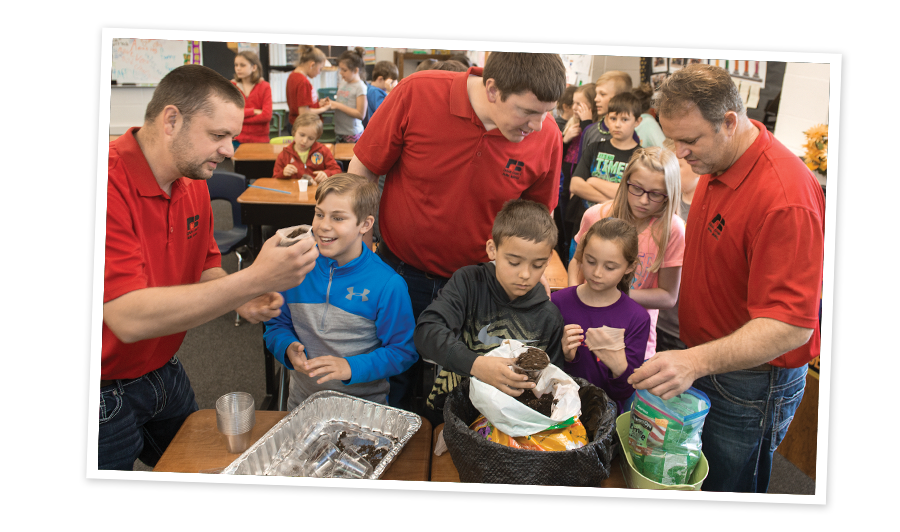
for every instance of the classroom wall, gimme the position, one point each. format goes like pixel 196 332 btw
pixel 126 107
pixel 630 65
pixel 804 103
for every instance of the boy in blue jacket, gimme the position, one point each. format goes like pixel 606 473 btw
pixel 349 325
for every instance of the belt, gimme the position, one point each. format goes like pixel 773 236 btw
pixel 104 383
pixel 761 367
pixel 385 252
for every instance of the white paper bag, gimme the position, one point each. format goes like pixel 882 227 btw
pixel 514 418
pixel 290 241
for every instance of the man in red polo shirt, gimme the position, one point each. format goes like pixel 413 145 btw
pixel 751 280
pixel 454 147
pixel 162 271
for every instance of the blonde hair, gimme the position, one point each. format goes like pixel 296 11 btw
pixel 308 119
pixel 621 80
pixel 655 159
pixel 363 193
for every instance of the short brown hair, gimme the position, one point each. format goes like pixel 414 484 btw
pixel 526 219
pixel 253 59
pixel 189 88
pixel 308 119
pixel 354 59
pixel 625 102
pixel 386 70
pixel 363 193
pixel 708 87
pixel 514 73
pixel 450 65
pixel 621 80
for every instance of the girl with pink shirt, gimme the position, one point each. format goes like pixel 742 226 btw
pixel 648 198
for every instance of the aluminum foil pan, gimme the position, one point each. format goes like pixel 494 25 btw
pixel 396 425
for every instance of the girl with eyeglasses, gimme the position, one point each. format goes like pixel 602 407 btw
pixel 648 198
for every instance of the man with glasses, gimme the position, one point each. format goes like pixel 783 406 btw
pixel 751 281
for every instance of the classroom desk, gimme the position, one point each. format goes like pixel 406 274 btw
pixel 443 469
pixel 256 159
pixel 199 446
pixel 343 151
pixel 556 273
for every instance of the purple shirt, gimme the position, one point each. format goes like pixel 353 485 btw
pixel 623 314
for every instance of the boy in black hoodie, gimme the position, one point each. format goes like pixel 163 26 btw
pixel 484 304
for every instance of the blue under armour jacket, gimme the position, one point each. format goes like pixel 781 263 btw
pixel 360 311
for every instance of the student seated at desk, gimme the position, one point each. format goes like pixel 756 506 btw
pixel 349 325
pixel 482 305
pixel 306 157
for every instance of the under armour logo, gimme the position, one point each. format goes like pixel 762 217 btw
pixel 362 295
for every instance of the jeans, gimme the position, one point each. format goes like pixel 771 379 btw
pixel 423 289
pixel 749 415
pixel 139 417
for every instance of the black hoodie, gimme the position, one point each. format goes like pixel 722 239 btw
pixel 472 315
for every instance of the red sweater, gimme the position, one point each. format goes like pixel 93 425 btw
pixel 300 93
pixel 256 127
pixel 320 158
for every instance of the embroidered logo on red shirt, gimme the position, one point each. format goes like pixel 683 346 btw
pixel 193 225
pixel 514 169
pixel 716 226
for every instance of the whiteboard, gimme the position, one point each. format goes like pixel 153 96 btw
pixel 147 61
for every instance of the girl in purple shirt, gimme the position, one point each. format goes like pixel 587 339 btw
pixel 606 331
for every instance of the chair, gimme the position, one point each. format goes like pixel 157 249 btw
pixel 228 186
pixel 328 135
pixel 279 117
pixel 281 140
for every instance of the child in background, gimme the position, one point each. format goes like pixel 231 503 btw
pixel 484 304
pixel 648 130
pixel 350 101
pixel 301 97
pixel 564 107
pixel 607 86
pixel 584 113
pixel 384 78
pixel 608 260
pixel 598 173
pixel 667 330
pixel 257 98
pixel 652 177
pixel 306 157
pixel 349 325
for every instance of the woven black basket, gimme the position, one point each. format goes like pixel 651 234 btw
pixel 479 460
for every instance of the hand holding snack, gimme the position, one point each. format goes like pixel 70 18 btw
pixel 497 372
pixel 289 170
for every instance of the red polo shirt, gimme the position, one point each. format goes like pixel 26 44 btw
pixel 152 239
pixel 754 248
pixel 448 177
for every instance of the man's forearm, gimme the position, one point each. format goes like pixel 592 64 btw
pixel 160 311
pixel 758 341
pixel 358 168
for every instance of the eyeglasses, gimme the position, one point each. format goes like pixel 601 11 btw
pixel 655 197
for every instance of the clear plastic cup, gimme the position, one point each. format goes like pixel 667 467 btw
pixel 235 418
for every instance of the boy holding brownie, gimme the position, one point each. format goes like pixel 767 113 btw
pixel 482 305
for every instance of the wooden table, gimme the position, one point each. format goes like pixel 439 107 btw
pixel 443 469
pixel 199 446
pixel 256 159
pixel 556 273
pixel 343 151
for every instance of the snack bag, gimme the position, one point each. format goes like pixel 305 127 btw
pixel 559 439
pixel 292 235
pixel 664 436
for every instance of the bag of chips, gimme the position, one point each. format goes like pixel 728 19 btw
pixel 664 436
pixel 572 436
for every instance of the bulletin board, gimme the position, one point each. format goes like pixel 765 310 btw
pixel 145 62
